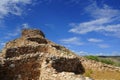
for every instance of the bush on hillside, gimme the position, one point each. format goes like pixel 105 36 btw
pixel 93 58
pixel 107 61
pixel 96 58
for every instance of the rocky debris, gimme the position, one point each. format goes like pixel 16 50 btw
pixel 33 57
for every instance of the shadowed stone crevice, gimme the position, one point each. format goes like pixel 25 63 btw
pixel 14 52
pixel 38 40
pixel 2 72
pixel 23 69
pixel 68 65
pixel 57 47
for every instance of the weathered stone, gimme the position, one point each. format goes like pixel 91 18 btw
pixel 33 57
pixel 87 78
pixel 12 65
pixel 32 33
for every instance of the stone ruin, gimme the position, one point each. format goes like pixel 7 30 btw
pixel 32 33
pixel 33 57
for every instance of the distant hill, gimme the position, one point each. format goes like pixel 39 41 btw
pixel 111 60
pixel 114 58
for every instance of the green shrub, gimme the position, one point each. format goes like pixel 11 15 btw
pixel 88 73
pixel 93 58
pixel 107 61
pixel 117 64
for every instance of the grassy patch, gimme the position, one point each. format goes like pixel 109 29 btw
pixel 117 64
pixel 106 61
pixel 88 73
pixel 102 75
pixel 93 58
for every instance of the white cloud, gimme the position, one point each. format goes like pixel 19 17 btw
pixel 102 12
pixel 85 27
pixel 17 31
pixel 2 44
pixel 115 53
pixel 103 45
pixel 12 7
pixel 85 53
pixel 99 25
pixel 72 2
pixel 14 33
pixel 82 53
pixel 94 40
pixel 25 25
pixel 73 40
pixel 103 21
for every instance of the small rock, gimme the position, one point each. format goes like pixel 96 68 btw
pixel 87 78
pixel 12 65
pixel 19 76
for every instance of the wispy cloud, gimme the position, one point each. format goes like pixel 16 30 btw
pixel 73 41
pixel 25 25
pixel 14 7
pixel 84 53
pixel 103 45
pixel 103 20
pixel 2 44
pixel 14 33
pixel 95 40
pixel 73 2
pixel 98 42
pixel 17 31
pixel 101 12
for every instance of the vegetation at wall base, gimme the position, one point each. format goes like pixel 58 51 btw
pixel 103 60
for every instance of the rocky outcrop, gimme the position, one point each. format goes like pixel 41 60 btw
pixel 33 57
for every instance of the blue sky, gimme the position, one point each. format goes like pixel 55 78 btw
pixel 87 27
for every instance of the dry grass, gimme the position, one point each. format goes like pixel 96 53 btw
pixel 103 75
